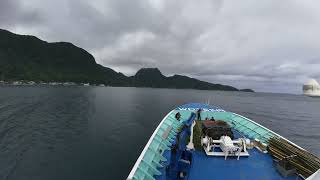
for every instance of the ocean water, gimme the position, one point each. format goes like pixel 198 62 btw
pixel 64 133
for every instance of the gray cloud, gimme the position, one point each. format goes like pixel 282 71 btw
pixel 268 45
pixel 11 13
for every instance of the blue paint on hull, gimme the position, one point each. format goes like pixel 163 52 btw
pixel 167 157
pixel 257 166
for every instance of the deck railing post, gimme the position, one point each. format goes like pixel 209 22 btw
pixel 190 146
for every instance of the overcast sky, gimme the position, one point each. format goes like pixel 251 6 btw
pixel 267 45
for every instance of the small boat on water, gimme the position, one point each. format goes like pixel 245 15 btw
pixel 311 88
pixel 201 141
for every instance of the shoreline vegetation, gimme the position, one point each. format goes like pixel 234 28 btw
pixel 33 83
pixel 28 60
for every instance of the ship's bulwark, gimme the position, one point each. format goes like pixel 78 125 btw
pixel 167 146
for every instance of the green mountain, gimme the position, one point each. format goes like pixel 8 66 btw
pixel 246 90
pixel 152 77
pixel 29 58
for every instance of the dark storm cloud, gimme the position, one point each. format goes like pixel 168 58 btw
pixel 260 44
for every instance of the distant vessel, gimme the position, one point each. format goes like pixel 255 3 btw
pixel 311 88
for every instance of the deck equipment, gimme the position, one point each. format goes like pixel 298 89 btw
pixel 227 146
pixel 183 149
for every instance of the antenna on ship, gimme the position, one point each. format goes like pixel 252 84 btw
pixel 208 101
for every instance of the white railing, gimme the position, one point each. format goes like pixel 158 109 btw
pixel 136 165
pixel 268 130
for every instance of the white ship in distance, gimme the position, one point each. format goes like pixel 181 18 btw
pixel 311 88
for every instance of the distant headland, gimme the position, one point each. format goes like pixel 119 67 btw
pixel 27 60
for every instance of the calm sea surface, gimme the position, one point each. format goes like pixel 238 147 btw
pixel 64 133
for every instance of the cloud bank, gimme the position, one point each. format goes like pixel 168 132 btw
pixel 267 45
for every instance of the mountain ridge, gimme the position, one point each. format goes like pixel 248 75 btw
pixel 26 57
